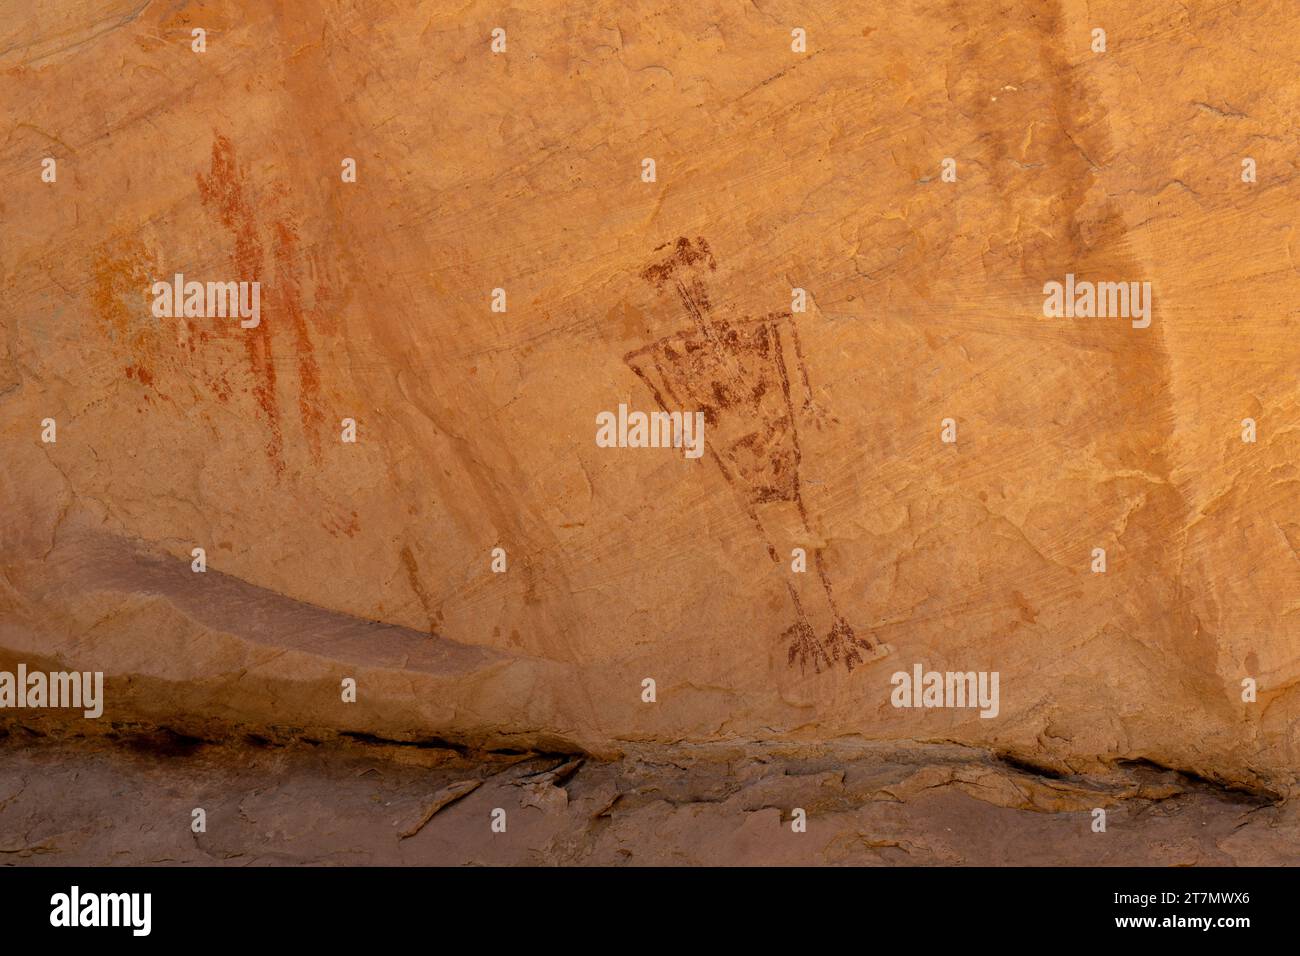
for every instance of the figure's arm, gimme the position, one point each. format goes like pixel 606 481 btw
pixel 797 373
pixel 799 361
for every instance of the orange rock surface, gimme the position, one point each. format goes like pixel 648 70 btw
pixel 775 170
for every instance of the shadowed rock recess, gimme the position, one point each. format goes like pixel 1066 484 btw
pixel 908 463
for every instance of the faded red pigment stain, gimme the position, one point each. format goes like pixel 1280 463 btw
pixel 289 290
pixel 155 350
pixel 225 192
pixel 432 609
pixel 140 373
pixel 342 523
pixel 120 278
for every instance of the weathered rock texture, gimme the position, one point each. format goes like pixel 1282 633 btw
pixel 365 805
pixel 522 171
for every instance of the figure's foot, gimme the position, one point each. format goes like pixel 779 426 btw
pixel 843 643
pixel 804 647
pixel 818 415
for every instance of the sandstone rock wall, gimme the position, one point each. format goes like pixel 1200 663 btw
pixel 775 170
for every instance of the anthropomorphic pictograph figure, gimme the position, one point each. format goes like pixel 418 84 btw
pixel 747 376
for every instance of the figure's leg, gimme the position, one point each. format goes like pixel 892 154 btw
pixel 800 638
pixel 784 528
pixel 803 644
pixel 842 641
